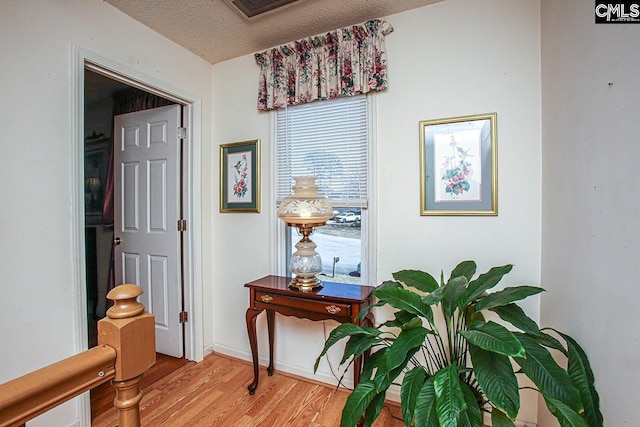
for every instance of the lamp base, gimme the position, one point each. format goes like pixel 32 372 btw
pixel 305 284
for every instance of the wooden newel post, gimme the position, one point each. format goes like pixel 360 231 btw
pixel 131 332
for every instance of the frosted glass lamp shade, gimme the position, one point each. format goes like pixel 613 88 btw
pixel 305 205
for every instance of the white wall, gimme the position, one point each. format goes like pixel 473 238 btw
pixel 454 59
pixel 38 303
pixel 450 59
pixel 241 241
pixel 590 242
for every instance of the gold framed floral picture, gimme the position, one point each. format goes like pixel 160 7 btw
pixel 458 166
pixel 240 176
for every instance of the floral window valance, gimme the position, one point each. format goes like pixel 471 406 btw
pixel 344 62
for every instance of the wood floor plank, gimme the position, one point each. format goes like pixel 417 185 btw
pixel 214 393
pixel 103 395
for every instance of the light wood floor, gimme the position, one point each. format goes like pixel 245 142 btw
pixel 214 393
pixel 103 395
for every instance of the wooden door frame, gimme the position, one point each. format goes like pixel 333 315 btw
pixel 192 107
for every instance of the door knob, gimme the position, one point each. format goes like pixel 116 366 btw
pixel 117 241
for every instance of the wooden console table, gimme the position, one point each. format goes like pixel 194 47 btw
pixel 336 301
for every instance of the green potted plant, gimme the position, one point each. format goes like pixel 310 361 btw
pixel 453 362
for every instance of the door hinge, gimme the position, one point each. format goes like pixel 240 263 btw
pixel 184 317
pixel 182 133
pixel 182 225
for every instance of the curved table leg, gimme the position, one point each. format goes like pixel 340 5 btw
pixel 271 315
pixel 253 342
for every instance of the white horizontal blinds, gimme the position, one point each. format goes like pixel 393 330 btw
pixel 328 140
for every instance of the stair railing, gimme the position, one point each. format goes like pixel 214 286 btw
pixel 126 349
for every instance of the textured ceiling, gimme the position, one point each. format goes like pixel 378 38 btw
pixel 212 30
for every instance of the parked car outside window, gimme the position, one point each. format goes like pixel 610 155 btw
pixel 348 217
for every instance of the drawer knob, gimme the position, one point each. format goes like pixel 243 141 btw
pixel 266 298
pixel 332 309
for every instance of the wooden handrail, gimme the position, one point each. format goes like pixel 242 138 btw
pixel 35 393
pixel 126 349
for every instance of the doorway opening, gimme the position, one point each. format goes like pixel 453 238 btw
pixel 192 243
pixel 104 99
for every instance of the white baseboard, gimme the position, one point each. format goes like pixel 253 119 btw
pixel 326 377
pixel 301 371
pixel 208 350
pixel 231 352
pixel 393 393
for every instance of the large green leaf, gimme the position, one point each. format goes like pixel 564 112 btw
pixel 513 314
pixel 408 340
pixel 401 317
pixel 493 337
pixel 564 414
pixel 385 375
pixel 411 385
pixel 404 320
pixel 417 279
pixel 368 308
pixel 497 379
pixel 404 299
pixel 374 409
pixel 465 268
pixel 552 381
pixel 471 416
pixel 434 297
pixel 389 284
pixel 416 322
pixel 375 362
pixel 425 413
pixel 549 341
pixel 452 293
pixel 507 296
pixel 449 396
pixel 485 282
pixel 342 331
pixel 499 419
pixel 357 345
pixel 582 376
pixel 357 403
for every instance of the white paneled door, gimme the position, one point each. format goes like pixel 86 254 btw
pixel 147 209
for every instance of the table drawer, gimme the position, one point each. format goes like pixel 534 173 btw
pixel 314 306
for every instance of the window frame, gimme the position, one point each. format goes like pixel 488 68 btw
pixel 282 248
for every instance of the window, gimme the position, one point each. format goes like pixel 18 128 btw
pixel 329 140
